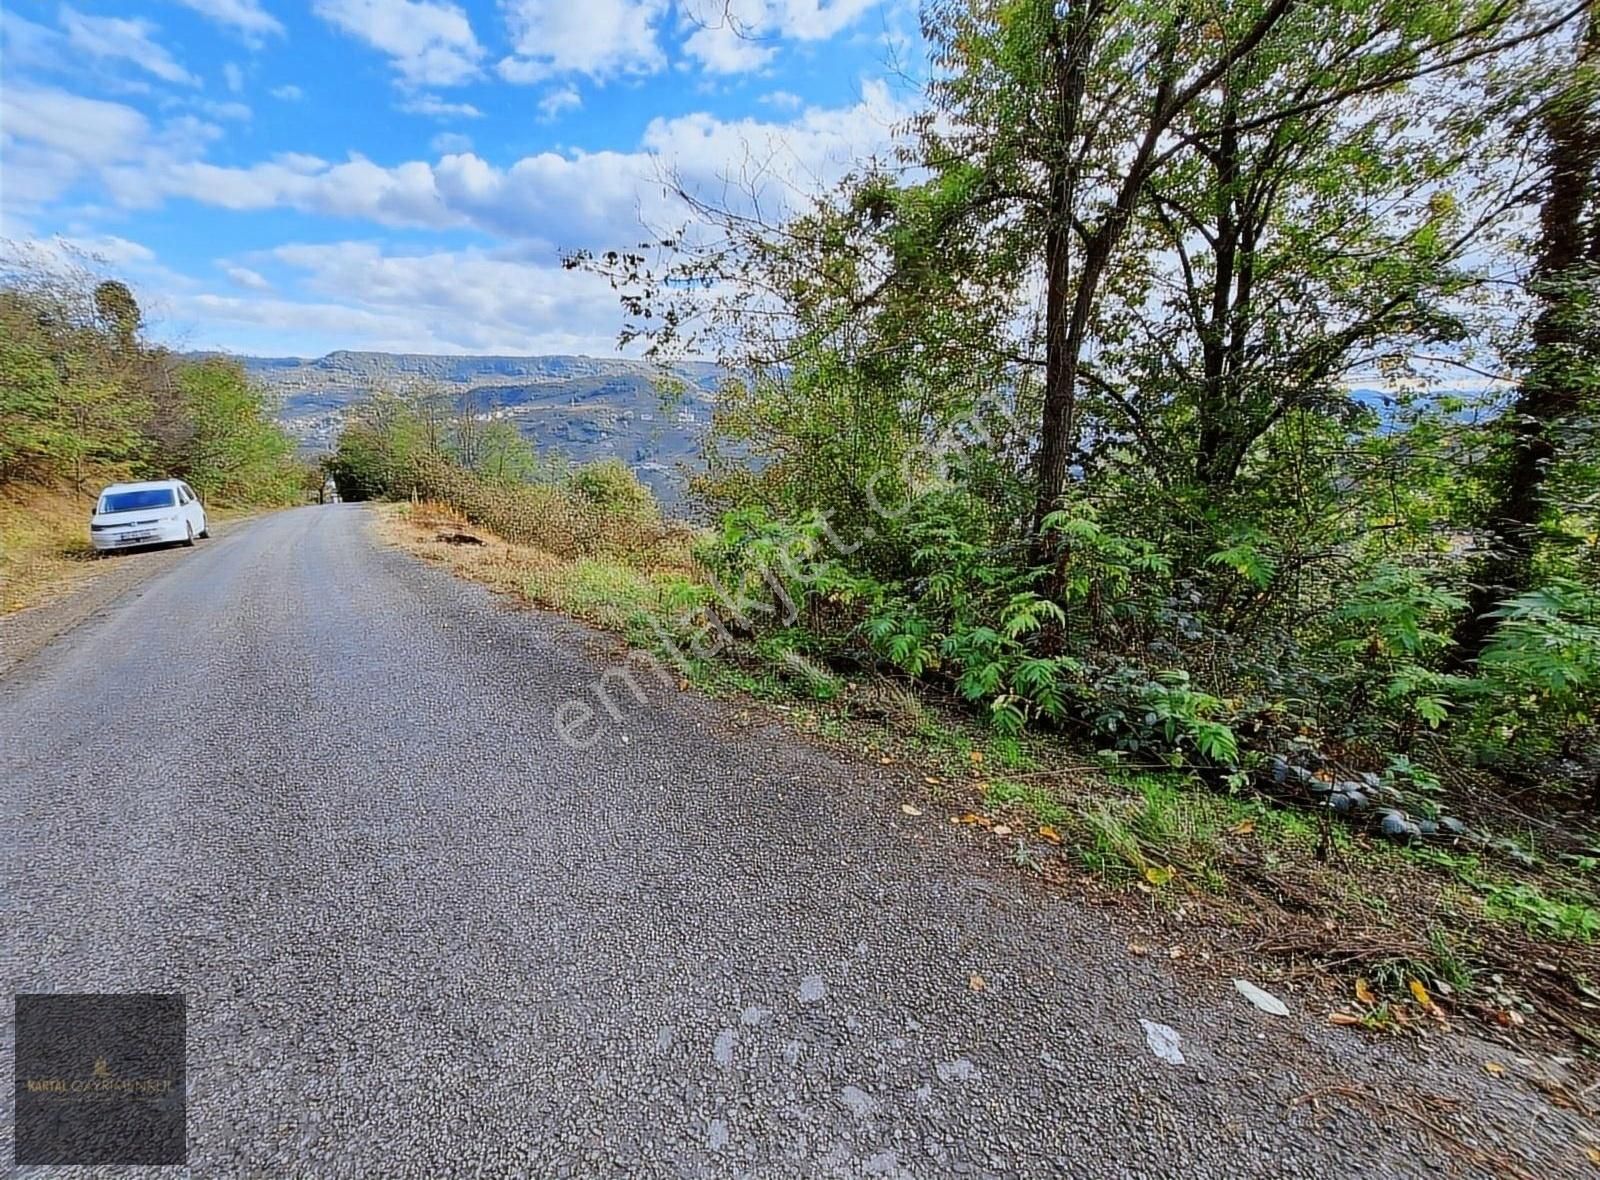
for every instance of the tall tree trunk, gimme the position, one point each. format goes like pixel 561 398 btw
pixel 1549 393
pixel 1068 45
pixel 1060 366
pixel 1214 465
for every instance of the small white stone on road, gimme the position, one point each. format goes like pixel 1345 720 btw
pixel 858 1101
pixel 718 1137
pixel 812 989
pixel 723 1049
pixel 1163 1041
pixel 885 1163
pixel 959 1070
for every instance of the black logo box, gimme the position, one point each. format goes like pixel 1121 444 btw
pixel 100 1079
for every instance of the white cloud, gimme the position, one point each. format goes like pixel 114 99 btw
pixel 29 44
pixel 112 38
pixel 552 105
pixel 450 143
pixel 243 276
pixel 435 107
pixel 461 301
pixel 245 17
pixel 601 38
pixel 288 93
pixel 817 20
pixel 729 36
pixel 429 42
pixel 575 199
pixel 50 139
pixel 233 77
pixel 783 100
pixel 65 250
pixel 361 295
pixel 230 110
pixel 738 36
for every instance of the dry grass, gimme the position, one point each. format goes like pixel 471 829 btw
pixel 44 544
pixel 621 594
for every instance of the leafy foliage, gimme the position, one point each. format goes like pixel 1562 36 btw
pixel 83 399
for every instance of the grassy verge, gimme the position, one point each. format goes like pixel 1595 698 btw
pixel 44 544
pixel 619 594
pixel 1394 937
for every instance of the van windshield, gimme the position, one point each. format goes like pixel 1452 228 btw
pixel 142 498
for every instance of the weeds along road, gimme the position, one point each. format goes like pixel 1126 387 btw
pixel 315 785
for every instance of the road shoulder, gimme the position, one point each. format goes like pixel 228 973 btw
pixel 27 632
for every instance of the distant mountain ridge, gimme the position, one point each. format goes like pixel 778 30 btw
pixel 587 408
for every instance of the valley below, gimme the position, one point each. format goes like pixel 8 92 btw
pixel 649 416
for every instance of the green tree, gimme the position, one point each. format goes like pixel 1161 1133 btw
pixel 235 452
pixel 1561 383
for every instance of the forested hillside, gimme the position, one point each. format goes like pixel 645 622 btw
pixel 1056 412
pixel 85 401
pixel 1218 390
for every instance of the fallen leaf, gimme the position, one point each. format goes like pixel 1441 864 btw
pixel 976 983
pixel 1343 1018
pixel 1420 993
pixel 1002 830
pixel 910 810
pixel 885 761
pixel 1594 1155
pixel 1494 1067
pixel 928 778
pixel 1264 1000
pixel 1364 993
pixel 976 756
pixel 1175 952
pixel 1159 874
pixel 1243 827
pixel 1138 948
pixel 683 684
pixel 1049 833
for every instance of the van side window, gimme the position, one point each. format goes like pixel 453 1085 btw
pixel 183 494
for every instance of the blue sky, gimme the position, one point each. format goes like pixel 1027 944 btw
pixel 295 176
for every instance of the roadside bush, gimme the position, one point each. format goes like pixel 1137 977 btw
pixel 627 526
pixel 84 400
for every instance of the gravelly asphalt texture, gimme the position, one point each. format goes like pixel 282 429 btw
pixel 315 785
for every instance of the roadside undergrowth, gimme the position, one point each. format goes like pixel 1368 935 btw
pixel 1390 937
pixel 44 544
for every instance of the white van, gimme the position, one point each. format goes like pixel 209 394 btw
pixel 155 512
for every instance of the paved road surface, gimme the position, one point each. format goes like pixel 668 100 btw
pixel 315 785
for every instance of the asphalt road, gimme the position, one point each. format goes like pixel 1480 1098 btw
pixel 316 786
